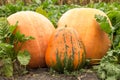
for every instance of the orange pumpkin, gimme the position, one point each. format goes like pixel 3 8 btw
pixel 36 25
pixel 96 41
pixel 65 50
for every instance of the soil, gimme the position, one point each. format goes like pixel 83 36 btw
pixel 44 74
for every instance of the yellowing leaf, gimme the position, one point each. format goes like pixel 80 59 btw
pixel 42 11
pixel 23 57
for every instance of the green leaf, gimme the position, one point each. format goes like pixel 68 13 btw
pixel 42 11
pixel 104 24
pixel 23 57
pixel 109 68
pixel 111 78
pixel 21 37
pixel 6 47
pixel 114 16
pixel 6 30
pixel 8 67
pixel 12 28
pixel 3 28
pixel 5 50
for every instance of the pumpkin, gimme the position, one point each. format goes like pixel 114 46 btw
pixel 96 41
pixel 65 50
pixel 36 25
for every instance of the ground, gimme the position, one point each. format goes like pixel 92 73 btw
pixel 44 74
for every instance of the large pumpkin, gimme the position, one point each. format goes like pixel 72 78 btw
pixel 96 41
pixel 65 50
pixel 36 25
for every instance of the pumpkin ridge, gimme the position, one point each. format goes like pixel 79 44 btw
pixel 36 25
pixel 65 44
pixel 72 44
pixel 33 31
pixel 38 42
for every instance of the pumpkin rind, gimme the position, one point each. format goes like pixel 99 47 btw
pixel 36 25
pixel 65 48
pixel 83 20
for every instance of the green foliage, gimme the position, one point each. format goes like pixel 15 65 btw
pixel 7 69
pixel 115 19
pixel 8 9
pixel 8 55
pixel 109 68
pixel 104 24
pixel 42 11
pixel 5 58
pixel 105 7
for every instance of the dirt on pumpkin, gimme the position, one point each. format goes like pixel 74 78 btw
pixel 44 74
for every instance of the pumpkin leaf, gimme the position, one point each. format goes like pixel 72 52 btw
pixel 104 24
pixel 42 11
pixel 115 19
pixel 109 68
pixel 23 57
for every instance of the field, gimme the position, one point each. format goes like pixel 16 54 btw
pixel 15 67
